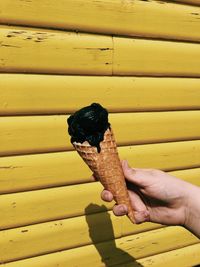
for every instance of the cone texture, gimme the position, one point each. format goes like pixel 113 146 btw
pixel 107 168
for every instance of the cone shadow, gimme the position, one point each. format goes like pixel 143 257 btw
pixel 102 235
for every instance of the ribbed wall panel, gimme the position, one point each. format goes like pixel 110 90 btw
pixel 139 59
pixel 157 19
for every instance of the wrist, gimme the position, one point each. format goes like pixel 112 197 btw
pixel 192 209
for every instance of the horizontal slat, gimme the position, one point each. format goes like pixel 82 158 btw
pixel 52 94
pixel 64 234
pixel 145 17
pixel 109 253
pixel 141 57
pixel 54 169
pixel 184 257
pixel 167 156
pixel 190 175
pixel 50 204
pixel 63 202
pixel 22 135
pixel 45 51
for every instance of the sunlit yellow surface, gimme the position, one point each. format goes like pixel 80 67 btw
pixel 64 234
pixel 112 252
pixel 51 169
pixel 54 94
pixel 51 210
pixel 32 134
pixel 46 51
pixel 136 18
pixel 63 202
pixel 142 57
pixel 184 257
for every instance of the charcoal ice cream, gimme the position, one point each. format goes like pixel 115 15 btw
pixel 89 124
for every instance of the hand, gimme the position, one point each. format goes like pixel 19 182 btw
pixel 155 196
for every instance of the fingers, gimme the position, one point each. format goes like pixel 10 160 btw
pixel 137 202
pixel 120 210
pixel 106 196
pixel 140 216
pixel 137 178
pixel 141 213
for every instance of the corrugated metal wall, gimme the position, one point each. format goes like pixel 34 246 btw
pixel 141 60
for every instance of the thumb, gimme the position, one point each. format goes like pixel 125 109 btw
pixel 133 175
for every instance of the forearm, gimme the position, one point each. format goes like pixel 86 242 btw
pixel 192 221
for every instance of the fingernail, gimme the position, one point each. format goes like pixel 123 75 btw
pixel 106 195
pixel 123 210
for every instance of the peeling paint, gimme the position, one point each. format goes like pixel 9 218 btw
pixel 103 49
pixel 36 36
pixel 8 45
pixel 91 48
pixel 24 231
pixel 16 32
pixel 10 167
pixel 13 204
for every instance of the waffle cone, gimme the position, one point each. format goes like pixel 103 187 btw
pixel 107 168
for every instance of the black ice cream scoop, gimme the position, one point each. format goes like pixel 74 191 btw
pixel 89 124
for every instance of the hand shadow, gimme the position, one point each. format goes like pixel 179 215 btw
pixel 101 230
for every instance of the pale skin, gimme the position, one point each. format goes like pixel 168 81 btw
pixel 161 198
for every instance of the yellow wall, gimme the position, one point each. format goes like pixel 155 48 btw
pixel 139 59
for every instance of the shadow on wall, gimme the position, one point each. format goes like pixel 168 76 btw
pixel 100 230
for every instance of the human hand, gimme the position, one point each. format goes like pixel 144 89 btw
pixel 155 196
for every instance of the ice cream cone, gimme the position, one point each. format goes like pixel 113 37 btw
pixel 107 168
